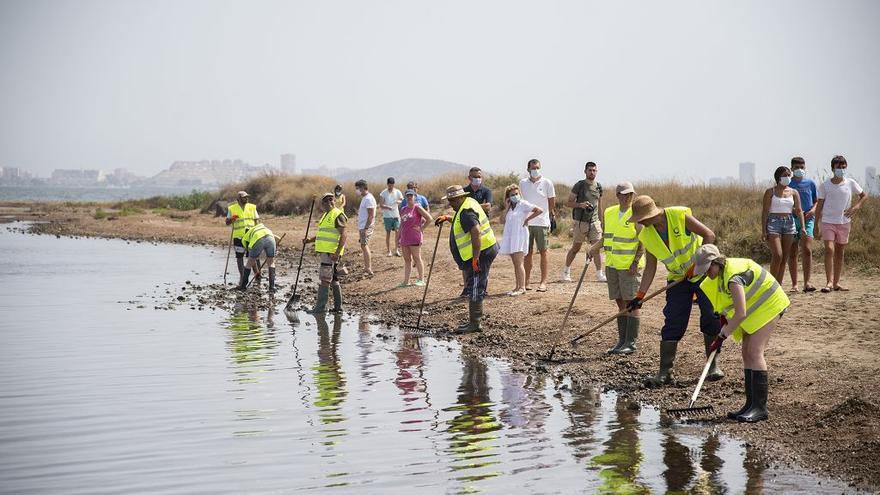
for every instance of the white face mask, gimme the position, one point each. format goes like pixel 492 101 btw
pixel 799 173
pixel 840 172
pixel 535 173
pixel 514 199
pixel 784 181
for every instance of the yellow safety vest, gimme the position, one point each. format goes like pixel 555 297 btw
pixel 253 235
pixel 765 299
pixel 620 239
pixel 327 239
pixel 678 256
pixel 246 218
pixel 463 239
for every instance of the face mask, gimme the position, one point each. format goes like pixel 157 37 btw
pixel 784 181
pixel 514 199
pixel 476 181
pixel 535 173
pixel 799 173
pixel 839 172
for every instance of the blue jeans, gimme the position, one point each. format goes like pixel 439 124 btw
pixel 478 283
pixel 677 313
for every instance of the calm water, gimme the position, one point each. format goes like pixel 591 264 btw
pixel 99 396
pixel 15 193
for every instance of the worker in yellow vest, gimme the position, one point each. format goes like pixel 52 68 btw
pixel 258 240
pixel 473 247
pixel 672 235
pixel 624 262
pixel 241 215
pixel 750 303
pixel 330 246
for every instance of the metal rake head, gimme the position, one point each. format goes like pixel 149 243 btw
pixel 692 412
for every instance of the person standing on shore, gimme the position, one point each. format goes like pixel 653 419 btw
pixel 481 194
pixel 473 246
pixel 515 238
pixel 539 191
pixel 672 235
pixel 413 219
pixel 834 214
pixel 585 201
pixel 391 199
pixel 809 196
pixel 330 246
pixel 340 198
pixel 241 215
pixel 258 240
pixel 781 206
pixel 366 218
pixel 420 200
pixel 750 303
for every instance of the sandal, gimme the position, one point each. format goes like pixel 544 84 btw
pixel 840 288
pixel 541 288
pixel 809 288
pixel 826 289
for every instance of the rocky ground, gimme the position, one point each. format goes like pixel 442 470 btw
pixel 824 370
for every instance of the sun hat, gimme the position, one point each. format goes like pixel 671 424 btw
pixel 643 207
pixel 705 255
pixel 454 192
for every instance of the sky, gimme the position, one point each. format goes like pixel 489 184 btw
pixel 647 89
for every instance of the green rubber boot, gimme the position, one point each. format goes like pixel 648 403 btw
pixel 621 335
pixel 715 372
pixel 337 297
pixel 475 313
pixel 632 334
pixel 272 279
pixel 668 349
pixel 321 300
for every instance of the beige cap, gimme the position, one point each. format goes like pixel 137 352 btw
pixel 625 188
pixel 705 255
pixel 643 207
pixel 243 194
pixel 326 195
pixel 454 192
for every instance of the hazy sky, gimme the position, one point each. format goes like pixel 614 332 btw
pixel 646 89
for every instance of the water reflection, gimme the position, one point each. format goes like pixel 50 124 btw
pixel 329 378
pixel 621 456
pixel 250 342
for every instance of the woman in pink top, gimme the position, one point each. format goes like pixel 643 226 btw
pixel 412 219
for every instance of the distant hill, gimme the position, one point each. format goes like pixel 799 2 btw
pixel 403 170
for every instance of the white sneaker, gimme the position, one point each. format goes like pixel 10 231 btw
pixel 600 277
pixel 566 275
pixel 515 293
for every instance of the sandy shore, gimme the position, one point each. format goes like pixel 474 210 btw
pixel 824 394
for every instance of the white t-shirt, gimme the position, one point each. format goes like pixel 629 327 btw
pixel 538 193
pixel 838 197
pixel 367 202
pixel 391 199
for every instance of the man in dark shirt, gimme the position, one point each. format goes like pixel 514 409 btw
pixel 477 190
pixel 480 250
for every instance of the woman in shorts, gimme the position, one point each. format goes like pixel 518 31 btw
pixel 781 205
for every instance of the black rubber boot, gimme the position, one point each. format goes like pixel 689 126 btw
pixel 758 410
pixel 715 372
pixel 621 335
pixel 668 349
pixel 748 404
pixel 475 313
pixel 271 279
pixel 243 282
pixel 240 263
pixel 321 300
pixel 632 334
pixel 337 297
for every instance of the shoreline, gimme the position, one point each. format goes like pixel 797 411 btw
pixel 824 395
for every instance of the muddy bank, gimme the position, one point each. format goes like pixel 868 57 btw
pixel 824 399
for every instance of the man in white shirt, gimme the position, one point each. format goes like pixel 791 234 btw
pixel 539 191
pixel 391 199
pixel 366 217
pixel 834 213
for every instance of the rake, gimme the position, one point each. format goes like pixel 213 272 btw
pixel 418 328
pixel 690 410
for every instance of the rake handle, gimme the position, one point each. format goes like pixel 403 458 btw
pixel 301 254
pixel 428 281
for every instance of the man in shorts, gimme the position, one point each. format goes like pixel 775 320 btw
pixel 366 218
pixel 585 201
pixel 809 196
pixel 330 246
pixel 391 198
pixel 258 240
pixel 539 191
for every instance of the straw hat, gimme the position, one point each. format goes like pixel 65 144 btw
pixel 454 192
pixel 705 255
pixel 643 207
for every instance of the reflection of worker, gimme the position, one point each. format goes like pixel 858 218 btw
pixel 672 235
pixel 329 376
pixel 258 240
pixel 471 430
pixel 470 234
pixel 330 246
pixel 241 215
pixel 621 456
pixel 750 302
pixel 409 367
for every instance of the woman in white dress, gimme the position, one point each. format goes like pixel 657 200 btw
pixel 515 239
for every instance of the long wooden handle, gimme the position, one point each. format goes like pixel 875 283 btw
pixel 301 254
pixel 702 378
pixel 428 281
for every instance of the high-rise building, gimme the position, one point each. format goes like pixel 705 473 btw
pixel 747 174
pixel 872 182
pixel 288 163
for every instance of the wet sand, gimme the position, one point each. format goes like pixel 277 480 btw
pixel 824 399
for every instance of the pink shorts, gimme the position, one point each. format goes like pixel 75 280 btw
pixel 837 232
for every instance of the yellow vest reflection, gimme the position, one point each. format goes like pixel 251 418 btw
pixel 329 379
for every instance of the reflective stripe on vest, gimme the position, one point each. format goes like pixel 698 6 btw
pixel 246 218
pixel 678 256
pixel 463 239
pixel 327 238
pixel 253 235
pixel 620 240
pixel 764 297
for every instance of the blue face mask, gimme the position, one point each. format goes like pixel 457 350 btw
pixel 799 173
pixel 476 182
pixel 784 181
pixel 514 199
pixel 839 172
pixel 535 173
